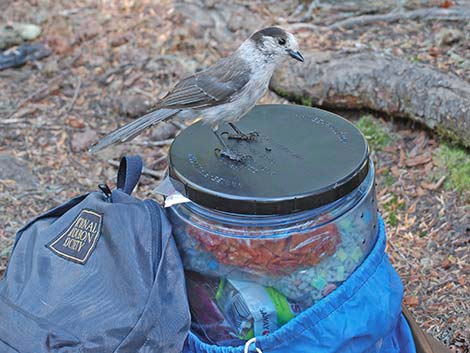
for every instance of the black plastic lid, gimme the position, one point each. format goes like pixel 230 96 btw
pixel 303 158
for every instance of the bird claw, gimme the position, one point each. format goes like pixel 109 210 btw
pixel 233 156
pixel 251 136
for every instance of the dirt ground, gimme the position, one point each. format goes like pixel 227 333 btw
pixel 112 59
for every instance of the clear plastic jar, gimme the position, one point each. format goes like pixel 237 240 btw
pixel 268 237
pixel 304 255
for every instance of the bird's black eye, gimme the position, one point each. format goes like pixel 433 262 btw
pixel 282 41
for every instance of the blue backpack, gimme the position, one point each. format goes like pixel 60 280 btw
pixel 100 273
pixel 363 315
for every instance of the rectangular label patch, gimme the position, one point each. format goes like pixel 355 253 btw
pixel 78 240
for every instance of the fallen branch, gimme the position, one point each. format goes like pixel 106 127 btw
pixel 155 173
pixel 294 27
pixel 314 4
pixel 429 14
pixel 75 95
pixel 161 159
pixel 180 125
pixel 154 143
pixel 434 186
pixel 105 79
pixel 11 121
pixel 144 93
pixel 383 83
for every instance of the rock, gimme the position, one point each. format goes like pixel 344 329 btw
pixel 164 131
pixel 17 170
pixel 28 31
pixel 16 33
pixel 448 36
pixel 82 141
pixel 133 106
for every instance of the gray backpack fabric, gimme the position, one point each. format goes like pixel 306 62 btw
pixel 100 273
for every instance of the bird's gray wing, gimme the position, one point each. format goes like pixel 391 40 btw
pixel 218 84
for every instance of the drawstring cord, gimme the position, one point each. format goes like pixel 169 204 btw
pixel 249 343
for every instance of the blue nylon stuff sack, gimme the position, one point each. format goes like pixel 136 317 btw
pixel 363 315
pixel 99 273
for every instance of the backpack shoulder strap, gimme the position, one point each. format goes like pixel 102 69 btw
pixel 130 170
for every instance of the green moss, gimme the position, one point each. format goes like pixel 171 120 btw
pixel 306 101
pixel 388 178
pixel 282 93
pixel 293 97
pixel 455 162
pixel 392 219
pixel 452 136
pixel 374 132
pixel 392 206
pixel 6 249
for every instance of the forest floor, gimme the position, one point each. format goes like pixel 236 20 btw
pixel 110 60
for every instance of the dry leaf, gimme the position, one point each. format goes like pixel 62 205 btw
pixel 446 4
pixel 411 300
pixel 434 186
pixel 76 123
pixel 419 159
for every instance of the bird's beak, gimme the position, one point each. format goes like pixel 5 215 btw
pixel 295 54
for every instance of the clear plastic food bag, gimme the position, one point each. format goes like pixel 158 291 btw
pixel 229 312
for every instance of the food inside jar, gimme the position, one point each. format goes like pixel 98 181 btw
pixel 274 256
pixel 229 312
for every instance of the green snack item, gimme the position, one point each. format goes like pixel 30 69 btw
pixel 283 309
pixel 341 254
pixel 340 273
pixel 220 289
pixel 319 283
pixel 252 309
pixel 357 254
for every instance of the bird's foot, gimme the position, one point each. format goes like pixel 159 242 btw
pixel 251 136
pixel 233 156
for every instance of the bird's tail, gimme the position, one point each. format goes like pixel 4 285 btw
pixel 131 130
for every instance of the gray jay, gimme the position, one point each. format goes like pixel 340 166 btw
pixel 226 91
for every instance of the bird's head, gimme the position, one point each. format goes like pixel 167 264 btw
pixel 276 43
